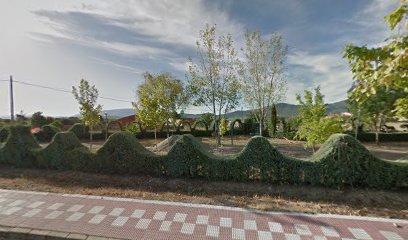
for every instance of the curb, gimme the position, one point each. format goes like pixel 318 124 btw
pixel 19 233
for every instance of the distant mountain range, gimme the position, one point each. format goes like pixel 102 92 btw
pixel 283 109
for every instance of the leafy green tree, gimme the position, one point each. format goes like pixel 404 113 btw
pixel 87 97
pixel 38 120
pixel 172 97
pixel 158 98
pixel 385 66
pixel 207 119
pixel 223 127
pixel 263 82
pixel 274 119
pixel 376 109
pixel 315 126
pixel 213 79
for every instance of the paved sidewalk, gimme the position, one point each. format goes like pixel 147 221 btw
pixel 125 218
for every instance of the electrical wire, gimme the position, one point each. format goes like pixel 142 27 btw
pixel 65 91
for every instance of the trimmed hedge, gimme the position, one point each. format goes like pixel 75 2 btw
pixel 3 134
pixel 46 133
pixel 341 160
pixel 80 130
pixel 383 137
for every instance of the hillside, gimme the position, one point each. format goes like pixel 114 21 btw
pixel 283 109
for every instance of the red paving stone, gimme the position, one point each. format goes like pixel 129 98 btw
pixel 142 219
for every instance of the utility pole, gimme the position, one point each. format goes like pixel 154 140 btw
pixel 11 100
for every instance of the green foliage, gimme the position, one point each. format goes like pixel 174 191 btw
pixel 273 121
pixel 46 133
pixel 341 160
pixel 262 73
pixel 223 127
pixel 207 119
pixel 315 127
pixel 213 81
pixel 58 154
pixel 58 124
pixel 18 149
pixel 122 153
pixel 80 130
pixel 38 120
pixel 87 97
pixel 385 66
pixel 3 134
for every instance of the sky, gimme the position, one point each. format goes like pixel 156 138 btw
pixel 112 43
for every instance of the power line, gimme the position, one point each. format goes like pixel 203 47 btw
pixel 66 91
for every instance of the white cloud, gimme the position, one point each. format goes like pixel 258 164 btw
pixel 329 71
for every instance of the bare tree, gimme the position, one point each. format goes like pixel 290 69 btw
pixel 213 80
pixel 262 73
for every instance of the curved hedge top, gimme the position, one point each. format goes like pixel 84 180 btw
pixel 340 161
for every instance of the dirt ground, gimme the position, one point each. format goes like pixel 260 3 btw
pixel 386 150
pixel 390 204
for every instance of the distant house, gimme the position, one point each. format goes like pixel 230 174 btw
pixel 127 120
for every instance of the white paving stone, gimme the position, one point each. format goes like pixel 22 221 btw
pixel 55 206
pixel 54 214
pixel 96 209
pixel 290 236
pixel 391 235
pixel 319 238
pixel 213 231
pixel 202 219
pixel 35 204
pixel 143 223
pixel 302 229
pixel 138 213
pixel 238 233
pixel 75 217
pixel 360 233
pixel 97 219
pixel 165 226
pixel 180 217
pixel 187 228
pixel 9 211
pixel 75 208
pixel 160 215
pixel 225 222
pixel 16 203
pixel 329 231
pixel 263 235
pixel 120 221
pixel 32 212
pixel 116 212
pixel 275 227
pixel 250 225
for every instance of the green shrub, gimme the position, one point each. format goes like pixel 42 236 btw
pixel 18 149
pixel 58 124
pixel 383 137
pixel 46 133
pixel 122 153
pixel 80 130
pixel 3 134
pixel 57 155
pixel 341 160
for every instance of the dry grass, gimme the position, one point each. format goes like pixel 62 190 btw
pixel 248 195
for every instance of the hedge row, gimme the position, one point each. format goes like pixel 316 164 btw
pixel 383 137
pixel 341 160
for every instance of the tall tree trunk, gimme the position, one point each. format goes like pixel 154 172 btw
pixel 260 126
